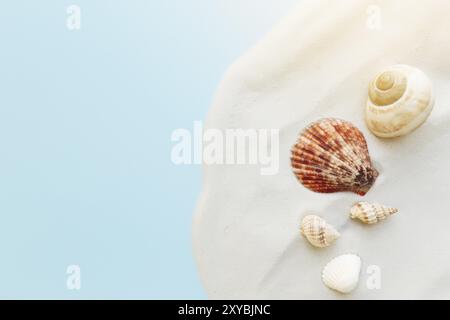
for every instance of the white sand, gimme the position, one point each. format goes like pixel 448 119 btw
pixel 316 63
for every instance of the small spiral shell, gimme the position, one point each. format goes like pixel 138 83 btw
pixel 400 100
pixel 371 213
pixel 318 232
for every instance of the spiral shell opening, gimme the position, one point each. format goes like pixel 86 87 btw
pixel 388 87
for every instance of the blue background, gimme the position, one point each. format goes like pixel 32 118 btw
pixel 85 124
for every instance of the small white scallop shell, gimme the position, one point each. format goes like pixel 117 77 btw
pixel 400 100
pixel 318 232
pixel 371 213
pixel 342 273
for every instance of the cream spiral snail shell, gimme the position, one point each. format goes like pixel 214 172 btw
pixel 400 100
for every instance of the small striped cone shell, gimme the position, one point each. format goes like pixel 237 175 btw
pixel 342 273
pixel 371 213
pixel 331 155
pixel 318 232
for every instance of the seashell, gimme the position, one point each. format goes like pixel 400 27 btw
pixel 400 100
pixel 371 213
pixel 342 273
pixel 331 155
pixel 318 232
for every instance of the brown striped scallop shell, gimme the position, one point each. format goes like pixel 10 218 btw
pixel 331 155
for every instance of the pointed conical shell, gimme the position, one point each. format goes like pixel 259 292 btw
pixel 400 100
pixel 331 155
pixel 318 232
pixel 342 273
pixel 371 213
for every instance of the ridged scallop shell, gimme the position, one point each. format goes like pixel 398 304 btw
pixel 318 232
pixel 331 155
pixel 400 100
pixel 371 213
pixel 342 273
